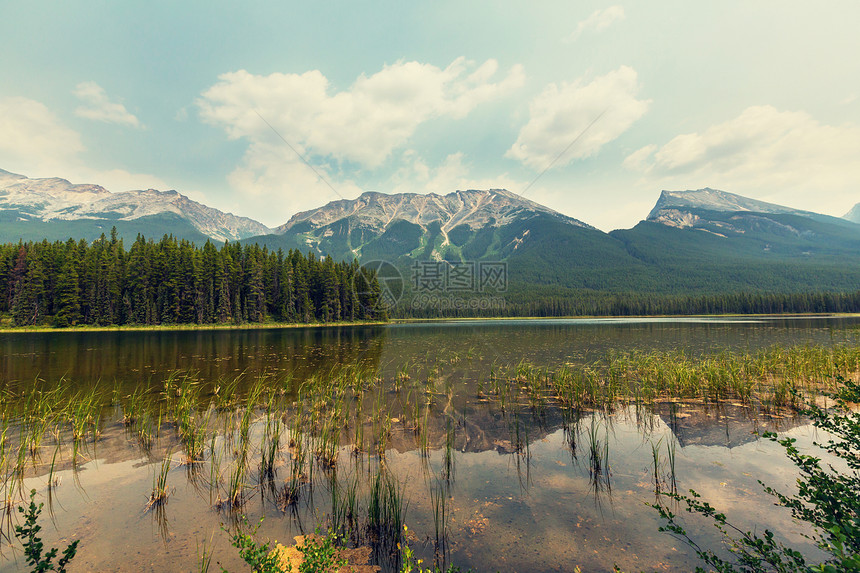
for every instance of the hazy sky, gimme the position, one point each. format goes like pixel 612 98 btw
pixel 760 98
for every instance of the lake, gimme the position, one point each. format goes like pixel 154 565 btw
pixel 484 477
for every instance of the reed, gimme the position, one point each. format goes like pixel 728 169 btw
pixel 598 457
pixel 270 448
pixel 655 465
pixel 204 555
pixel 160 489
pixel 670 454
pixel 235 493
pixel 385 508
pixel 773 378
pixel 439 503
pixel 290 493
pixel 448 456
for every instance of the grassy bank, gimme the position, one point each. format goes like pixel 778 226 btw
pixel 6 327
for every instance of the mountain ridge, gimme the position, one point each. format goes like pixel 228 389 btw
pixel 717 200
pixel 412 207
pixel 56 199
pixel 424 226
pixel 853 215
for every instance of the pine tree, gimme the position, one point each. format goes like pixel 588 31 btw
pixel 68 289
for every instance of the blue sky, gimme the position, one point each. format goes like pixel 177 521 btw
pixel 759 98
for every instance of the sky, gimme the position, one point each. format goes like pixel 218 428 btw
pixel 267 109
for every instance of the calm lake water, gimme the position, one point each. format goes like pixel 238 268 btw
pixel 540 509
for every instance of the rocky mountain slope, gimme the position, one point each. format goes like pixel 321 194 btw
pixel 712 200
pixel 726 215
pixel 853 215
pixel 93 207
pixel 463 224
pixel 476 209
pixel 712 241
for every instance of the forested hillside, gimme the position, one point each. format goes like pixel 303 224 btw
pixel 557 302
pixel 174 281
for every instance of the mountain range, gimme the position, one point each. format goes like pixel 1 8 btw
pixel 54 208
pixel 696 241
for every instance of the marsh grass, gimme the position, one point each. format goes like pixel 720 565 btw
pixel 160 489
pixel 598 457
pixel 656 466
pixel 439 502
pixel 773 378
pixel 329 436
pixel 670 456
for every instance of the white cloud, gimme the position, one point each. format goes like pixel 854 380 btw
pixel 598 21
pixel 36 143
pixel 31 131
pixel 452 174
pixel 561 113
pixel 273 184
pixel 787 157
pixel 114 179
pixel 363 124
pixel 98 106
pixel 638 160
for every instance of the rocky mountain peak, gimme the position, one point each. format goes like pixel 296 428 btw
pixel 853 215
pixel 474 208
pixel 54 198
pixel 714 200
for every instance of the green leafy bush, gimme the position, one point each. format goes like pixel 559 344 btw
pixel 827 498
pixel 258 555
pixel 33 546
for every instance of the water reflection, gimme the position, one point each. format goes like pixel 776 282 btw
pixel 485 478
pixel 129 356
pixel 133 357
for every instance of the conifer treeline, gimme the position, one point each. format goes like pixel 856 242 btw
pixel 638 304
pixel 173 282
pixel 633 304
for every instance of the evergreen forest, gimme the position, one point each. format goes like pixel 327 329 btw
pixel 174 281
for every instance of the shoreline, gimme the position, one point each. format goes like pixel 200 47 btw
pixel 295 325
pixel 626 316
pixel 185 327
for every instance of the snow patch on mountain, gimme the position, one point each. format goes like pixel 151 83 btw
pixel 58 199
pixel 716 200
pixel 474 208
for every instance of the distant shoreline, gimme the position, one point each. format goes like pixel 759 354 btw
pixel 186 327
pixel 619 316
pixel 294 325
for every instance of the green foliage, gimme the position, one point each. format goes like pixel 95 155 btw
pixel 319 551
pixel 320 554
pixel 827 498
pixel 33 546
pixel 258 555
